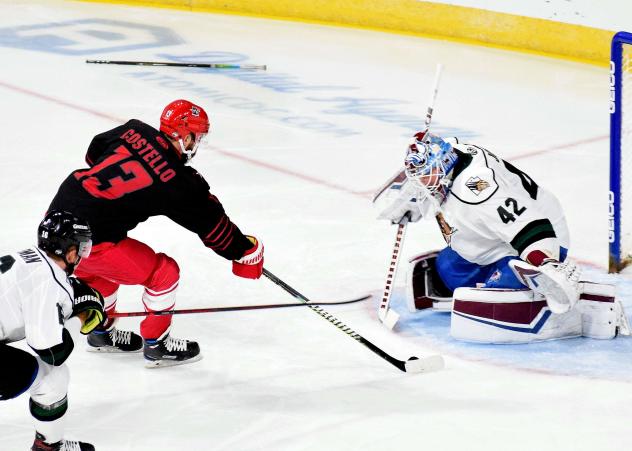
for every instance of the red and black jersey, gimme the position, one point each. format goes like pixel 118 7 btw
pixel 136 173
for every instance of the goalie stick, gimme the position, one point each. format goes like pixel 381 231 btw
pixel 412 365
pixel 387 316
pixel 172 64
pixel 236 308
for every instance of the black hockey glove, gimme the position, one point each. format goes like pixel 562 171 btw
pixel 88 304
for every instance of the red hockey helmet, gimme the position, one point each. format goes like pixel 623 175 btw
pixel 181 118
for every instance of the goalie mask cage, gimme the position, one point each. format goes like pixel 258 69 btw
pixel 620 196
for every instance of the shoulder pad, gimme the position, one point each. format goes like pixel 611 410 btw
pixel 477 183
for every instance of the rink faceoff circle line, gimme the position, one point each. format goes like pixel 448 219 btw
pixel 59 101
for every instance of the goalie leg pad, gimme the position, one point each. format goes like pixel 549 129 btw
pixel 489 315
pixel 603 316
pixel 424 287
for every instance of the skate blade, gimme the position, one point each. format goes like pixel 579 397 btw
pixel 111 350
pixel 166 363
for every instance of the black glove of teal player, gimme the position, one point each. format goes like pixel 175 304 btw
pixel 88 305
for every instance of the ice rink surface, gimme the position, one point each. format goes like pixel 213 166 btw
pixel 295 154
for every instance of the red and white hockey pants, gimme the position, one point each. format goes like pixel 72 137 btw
pixel 130 262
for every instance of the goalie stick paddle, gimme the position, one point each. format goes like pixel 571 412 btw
pixel 236 308
pixel 412 365
pixel 172 64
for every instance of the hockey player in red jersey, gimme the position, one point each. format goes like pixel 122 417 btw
pixel 136 172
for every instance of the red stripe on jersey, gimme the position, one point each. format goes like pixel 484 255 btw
pixel 227 244
pixel 222 222
pixel 228 235
pixel 221 235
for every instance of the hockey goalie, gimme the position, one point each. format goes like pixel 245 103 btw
pixel 504 273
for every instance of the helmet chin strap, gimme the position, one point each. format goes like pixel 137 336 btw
pixel 188 154
pixel 70 267
pixel 183 149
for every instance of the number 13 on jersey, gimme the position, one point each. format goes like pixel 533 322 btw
pixel 115 176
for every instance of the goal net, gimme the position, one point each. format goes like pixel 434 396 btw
pixel 620 196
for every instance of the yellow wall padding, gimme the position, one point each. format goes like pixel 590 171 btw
pixel 420 17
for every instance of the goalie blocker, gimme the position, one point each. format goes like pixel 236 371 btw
pixel 496 315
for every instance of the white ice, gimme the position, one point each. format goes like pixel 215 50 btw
pixel 294 155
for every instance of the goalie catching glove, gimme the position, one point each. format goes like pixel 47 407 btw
pixel 396 199
pixel 88 305
pixel 557 281
pixel 250 266
pixel 404 194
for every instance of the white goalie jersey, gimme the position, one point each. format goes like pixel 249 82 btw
pixel 494 210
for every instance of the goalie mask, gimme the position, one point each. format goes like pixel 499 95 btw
pixel 429 161
pixel 182 118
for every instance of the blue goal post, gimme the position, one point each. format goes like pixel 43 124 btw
pixel 620 195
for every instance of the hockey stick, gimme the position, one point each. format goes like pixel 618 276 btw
pixel 387 316
pixel 172 64
pixel 236 308
pixel 412 365
pixel 435 89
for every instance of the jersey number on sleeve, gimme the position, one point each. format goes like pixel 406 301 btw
pixel 6 262
pixel 114 177
pixel 507 217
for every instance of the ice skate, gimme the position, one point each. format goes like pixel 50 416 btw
pixel 169 351
pixel 63 445
pixel 114 340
